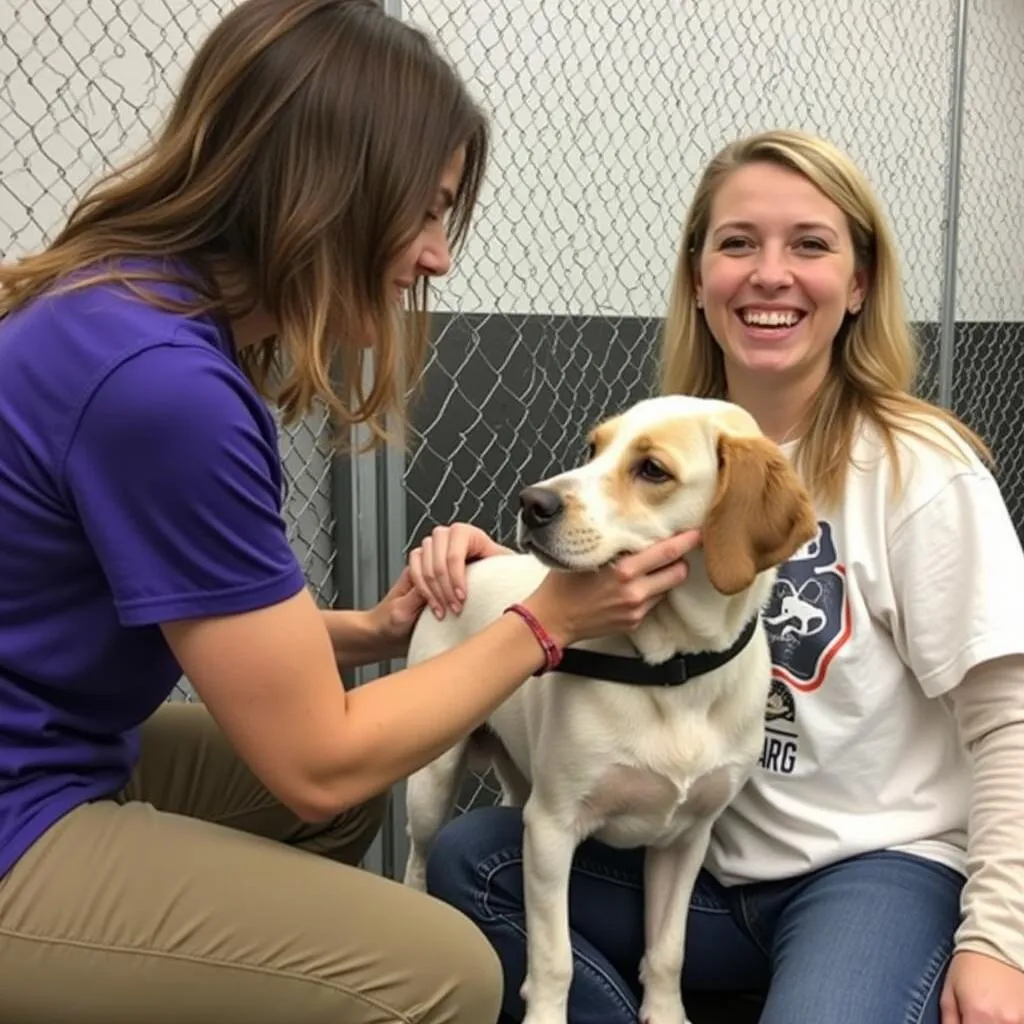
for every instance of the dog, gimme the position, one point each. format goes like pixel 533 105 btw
pixel 632 765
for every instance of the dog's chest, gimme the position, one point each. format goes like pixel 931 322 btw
pixel 632 806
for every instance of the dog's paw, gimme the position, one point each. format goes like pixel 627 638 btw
pixel 663 1011
pixel 662 1020
pixel 544 1017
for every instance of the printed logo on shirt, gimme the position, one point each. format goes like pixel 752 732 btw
pixel 778 754
pixel 807 616
pixel 807 619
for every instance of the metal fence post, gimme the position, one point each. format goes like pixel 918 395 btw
pixel 947 318
pixel 392 536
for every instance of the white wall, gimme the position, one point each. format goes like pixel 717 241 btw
pixel 606 111
pixel 81 84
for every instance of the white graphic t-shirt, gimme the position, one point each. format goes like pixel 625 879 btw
pixel 870 625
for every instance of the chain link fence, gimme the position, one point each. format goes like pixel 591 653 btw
pixel 604 115
pixel 988 358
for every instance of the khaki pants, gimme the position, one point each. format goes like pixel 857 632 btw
pixel 195 898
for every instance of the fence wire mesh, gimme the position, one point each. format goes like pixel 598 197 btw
pixel 82 84
pixel 604 114
pixel 988 364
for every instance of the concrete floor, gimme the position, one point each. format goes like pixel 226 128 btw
pixel 704 1009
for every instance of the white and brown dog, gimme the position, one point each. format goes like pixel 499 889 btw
pixel 649 765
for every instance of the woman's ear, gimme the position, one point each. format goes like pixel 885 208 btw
pixel 858 292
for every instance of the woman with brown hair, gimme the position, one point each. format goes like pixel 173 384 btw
pixel 319 160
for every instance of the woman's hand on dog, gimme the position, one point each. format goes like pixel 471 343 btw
pixel 572 606
pixel 576 606
pixel 438 565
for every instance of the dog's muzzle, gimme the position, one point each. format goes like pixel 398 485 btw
pixel 540 508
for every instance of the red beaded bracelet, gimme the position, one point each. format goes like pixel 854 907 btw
pixel 552 652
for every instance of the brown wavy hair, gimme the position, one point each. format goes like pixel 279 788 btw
pixel 302 152
pixel 875 358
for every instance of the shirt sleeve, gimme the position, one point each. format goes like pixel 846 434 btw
pixel 175 476
pixel 989 710
pixel 958 577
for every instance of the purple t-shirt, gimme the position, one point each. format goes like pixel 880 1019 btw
pixel 140 482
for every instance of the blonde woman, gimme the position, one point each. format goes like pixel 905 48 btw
pixel 894 752
pixel 157 862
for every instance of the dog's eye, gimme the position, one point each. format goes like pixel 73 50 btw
pixel 591 452
pixel 652 472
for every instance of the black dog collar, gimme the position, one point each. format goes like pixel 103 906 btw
pixel 679 669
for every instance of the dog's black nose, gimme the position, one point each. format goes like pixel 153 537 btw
pixel 540 506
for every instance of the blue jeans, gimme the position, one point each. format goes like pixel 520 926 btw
pixel 866 940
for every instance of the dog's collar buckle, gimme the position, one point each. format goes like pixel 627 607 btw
pixel 633 671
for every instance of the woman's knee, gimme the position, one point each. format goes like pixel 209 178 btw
pixel 464 978
pixel 466 848
pixel 319 942
pixel 893 915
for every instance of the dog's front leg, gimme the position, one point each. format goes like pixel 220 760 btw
pixel 548 847
pixel 669 877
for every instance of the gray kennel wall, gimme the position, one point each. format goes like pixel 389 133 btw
pixel 604 113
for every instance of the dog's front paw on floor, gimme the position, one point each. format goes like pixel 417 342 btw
pixel 543 1017
pixel 668 1010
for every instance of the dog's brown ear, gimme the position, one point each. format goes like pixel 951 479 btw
pixel 761 513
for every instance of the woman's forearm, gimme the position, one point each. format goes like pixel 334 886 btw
pixel 358 639
pixel 361 637
pixel 989 707
pixel 397 723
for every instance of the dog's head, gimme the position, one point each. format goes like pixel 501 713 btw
pixel 665 465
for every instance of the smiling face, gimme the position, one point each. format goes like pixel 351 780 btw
pixel 777 274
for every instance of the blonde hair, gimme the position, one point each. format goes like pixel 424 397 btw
pixel 303 151
pixel 874 360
